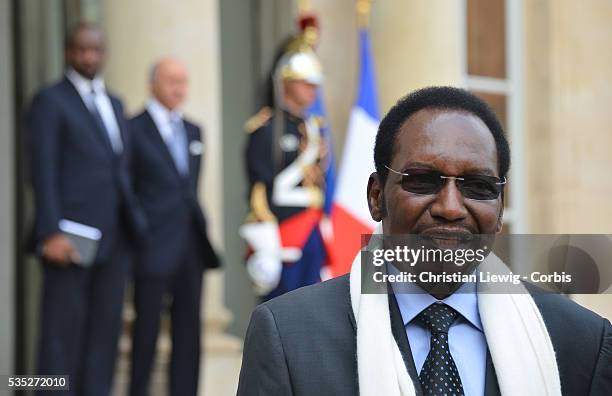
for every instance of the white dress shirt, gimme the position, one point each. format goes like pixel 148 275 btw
pixel 93 93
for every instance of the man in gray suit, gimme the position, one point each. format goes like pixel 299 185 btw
pixel 441 161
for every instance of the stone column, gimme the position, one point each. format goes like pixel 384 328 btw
pixel 580 120
pixel 567 109
pixel 7 194
pixel 416 44
pixel 140 32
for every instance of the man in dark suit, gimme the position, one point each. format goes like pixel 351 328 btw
pixel 79 172
pixel 166 167
pixel 441 162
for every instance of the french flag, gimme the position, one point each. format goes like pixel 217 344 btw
pixel 350 215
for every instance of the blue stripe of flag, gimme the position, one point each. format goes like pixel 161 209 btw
pixel 367 97
pixel 318 109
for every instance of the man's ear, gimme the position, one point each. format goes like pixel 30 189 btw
pixel 375 197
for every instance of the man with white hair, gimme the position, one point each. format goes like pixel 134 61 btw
pixel 166 162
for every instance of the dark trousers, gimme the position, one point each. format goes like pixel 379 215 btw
pixel 81 323
pixel 184 287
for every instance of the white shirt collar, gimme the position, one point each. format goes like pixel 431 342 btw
pixel 84 85
pixel 413 300
pixel 163 117
pixel 160 112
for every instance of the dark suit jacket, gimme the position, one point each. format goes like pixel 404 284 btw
pixel 169 200
pixel 75 173
pixel 303 343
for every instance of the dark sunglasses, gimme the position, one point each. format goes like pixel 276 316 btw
pixel 478 187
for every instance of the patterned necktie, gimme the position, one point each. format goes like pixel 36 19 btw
pixel 178 146
pixel 439 375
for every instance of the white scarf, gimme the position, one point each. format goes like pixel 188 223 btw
pixel 520 346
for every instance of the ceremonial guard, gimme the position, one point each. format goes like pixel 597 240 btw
pixel 287 160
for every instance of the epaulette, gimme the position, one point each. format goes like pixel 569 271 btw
pixel 258 120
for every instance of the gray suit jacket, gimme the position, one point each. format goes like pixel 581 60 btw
pixel 303 343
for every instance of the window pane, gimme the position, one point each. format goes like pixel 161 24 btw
pixel 498 103
pixel 486 45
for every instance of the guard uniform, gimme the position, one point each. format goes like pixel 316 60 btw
pixel 285 158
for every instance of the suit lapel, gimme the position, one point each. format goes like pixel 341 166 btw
pixel 161 145
pixel 77 102
pixel 192 158
pixel 491 385
pixel 399 333
pixel 119 118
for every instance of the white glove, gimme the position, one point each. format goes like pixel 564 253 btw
pixel 265 272
pixel 265 265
